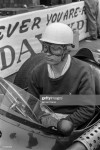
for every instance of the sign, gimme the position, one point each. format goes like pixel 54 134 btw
pixel 19 34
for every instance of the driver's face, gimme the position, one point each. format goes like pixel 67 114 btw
pixel 53 53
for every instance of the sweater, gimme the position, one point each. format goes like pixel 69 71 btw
pixel 77 80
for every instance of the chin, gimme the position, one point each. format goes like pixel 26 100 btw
pixel 52 62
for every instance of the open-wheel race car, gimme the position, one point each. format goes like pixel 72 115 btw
pixel 20 127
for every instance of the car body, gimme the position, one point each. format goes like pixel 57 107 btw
pixel 21 129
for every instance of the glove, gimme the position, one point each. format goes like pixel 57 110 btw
pixel 65 127
pixel 49 121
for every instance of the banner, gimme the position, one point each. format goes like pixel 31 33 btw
pixel 19 34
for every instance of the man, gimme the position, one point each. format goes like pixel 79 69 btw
pixel 93 18
pixel 62 74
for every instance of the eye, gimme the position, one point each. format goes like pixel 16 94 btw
pixel 56 49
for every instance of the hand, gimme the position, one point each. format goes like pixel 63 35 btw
pixel 49 121
pixel 65 127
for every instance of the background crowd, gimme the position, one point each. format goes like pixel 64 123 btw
pixel 28 3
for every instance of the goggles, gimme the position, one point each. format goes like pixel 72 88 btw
pixel 53 49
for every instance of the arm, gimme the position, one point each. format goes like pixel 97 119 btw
pixel 86 88
pixel 33 89
pixel 82 115
pixel 33 86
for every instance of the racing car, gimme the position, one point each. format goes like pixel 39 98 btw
pixel 20 127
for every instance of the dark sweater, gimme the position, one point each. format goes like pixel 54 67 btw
pixel 77 80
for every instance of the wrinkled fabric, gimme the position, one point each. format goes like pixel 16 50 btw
pixel 92 12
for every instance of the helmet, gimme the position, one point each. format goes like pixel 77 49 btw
pixel 58 33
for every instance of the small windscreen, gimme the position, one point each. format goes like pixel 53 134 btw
pixel 17 99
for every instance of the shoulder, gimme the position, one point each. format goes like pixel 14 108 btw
pixel 81 67
pixel 79 63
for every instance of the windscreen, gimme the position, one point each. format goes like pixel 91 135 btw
pixel 17 99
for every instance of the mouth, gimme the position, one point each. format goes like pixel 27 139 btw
pixel 48 59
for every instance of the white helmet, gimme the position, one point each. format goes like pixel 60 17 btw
pixel 58 33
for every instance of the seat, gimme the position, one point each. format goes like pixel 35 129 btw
pixel 86 55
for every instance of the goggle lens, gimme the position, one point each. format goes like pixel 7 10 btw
pixel 53 49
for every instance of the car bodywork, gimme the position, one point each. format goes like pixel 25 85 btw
pixel 20 127
pixel 20 130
